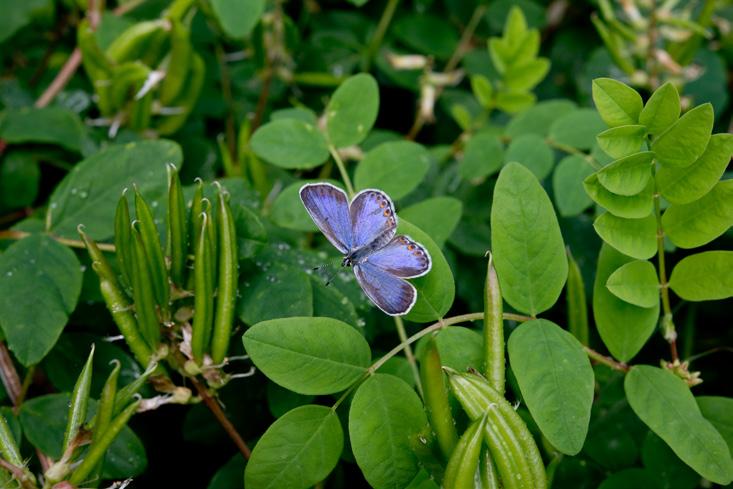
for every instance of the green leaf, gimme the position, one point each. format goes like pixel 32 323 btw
pixel 427 34
pixel 19 180
pixel 636 283
pixel 538 119
pixel 238 17
pixel 288 211
pixel 459 348
pixel 670 471
pixel 511 102
pixel 385 417
pixel 661 110
pixel 229 475
pixel 531 151
pixel 621 141
pixel 624 327
pixel 482 156
pixel 556 380
pixel 665 404
pixel 636 238
pixel 437 216
pixel 617 103
pixel 632 207
pixel 49 125
pixel 297 451
pixel 280 400
pixel 719 411
pixel 684 142
pixel 395 167
pixel 683 185
pixel 308 355
pixel 701 221
pixel 89 194
pixel 275 291
pixel 436 290
pixel 18 15
pixel 40 282
pixel 482 90
pixel 577 129
pixel 524 76
pixel 527 244
pixel 290 143
pixel 567 185
pixel 44 420
pixel 704 276
pixel 627 176
pixel 351 112
pixel 626 478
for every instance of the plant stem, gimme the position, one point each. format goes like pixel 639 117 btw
pixel 221 416
pixel 452 63
pixel 408 352
pixel 72 64
pixel 18 474
pixel 378 36
pixel 73 243
pixel 652 66
pixel 670 334
pixel 226 90
pixel 608 361
pixel 342 170
pixel 574 151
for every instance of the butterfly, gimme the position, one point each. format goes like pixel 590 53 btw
pixel 365 232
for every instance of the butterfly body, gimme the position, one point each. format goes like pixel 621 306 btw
pixel 364 231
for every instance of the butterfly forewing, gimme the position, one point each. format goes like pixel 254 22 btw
pixel 373 218
pixel 328 206
pixel 402 257
pixel 391 294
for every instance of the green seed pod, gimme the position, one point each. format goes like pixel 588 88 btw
pixel 154 252
pixel 509 465
pixel 435 392
pixel 142 290
pixel 520 471
pixel 204 297
pixel 99 447
pixel 104 415
pixel 577 305
pixel 493 330
pixel 79 403
pixel 141 110
pixel 116 301
pixel 177 63
pixel 477 396
pixel 126 393
pixel 97 65
pixel 8 446
pixel 487 471
pixel 227 280
pixel 137 41
pixel 126 81
pixel 186 98
pixel 123 248
pixel 461 470
pixel 177 227
pixel 213 237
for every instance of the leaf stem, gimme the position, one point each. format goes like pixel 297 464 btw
pixel 73 243
pixel 574 151
pixel 608 361
pixel 408 353
pixel 18 474
pixel 221 417
pixel 378 36
pixel 342 170
pixel 670 333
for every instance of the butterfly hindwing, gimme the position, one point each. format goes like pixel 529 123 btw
pixel 402 257
pixel 391 294
pixel 328 206
pixel 373 219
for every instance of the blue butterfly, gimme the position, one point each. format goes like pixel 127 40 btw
pixel 364 232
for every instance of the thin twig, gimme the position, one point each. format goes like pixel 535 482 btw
pixel 18 474
pixel 221 416
pixel 72 64
pixel 608 361
pixel 342 169
pixel 452 63
pixel 226 89
pixel 378 35
pixel 408 352
pixel 73 243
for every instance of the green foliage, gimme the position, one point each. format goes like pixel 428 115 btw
pixel 476 119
